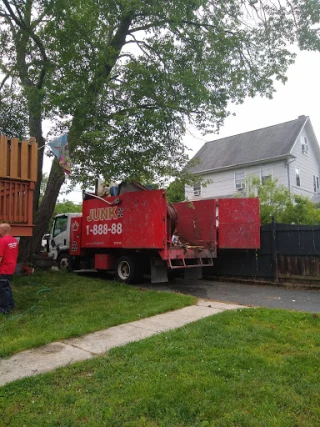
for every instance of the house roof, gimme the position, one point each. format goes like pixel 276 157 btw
pixel 262 144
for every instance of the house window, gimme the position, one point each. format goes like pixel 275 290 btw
pixel 266 173
pixel 315 184
pixel 298 182
pixel 197 189
pixel 239 180
pixel 304 145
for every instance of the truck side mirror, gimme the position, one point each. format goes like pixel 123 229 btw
pixel 53 243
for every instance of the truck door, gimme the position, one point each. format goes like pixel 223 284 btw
pixel 60 234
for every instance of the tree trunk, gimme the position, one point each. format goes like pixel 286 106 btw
pixel 35 129
pixel 31 245
pixel 42 214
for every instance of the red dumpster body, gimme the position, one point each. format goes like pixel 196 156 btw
pixel 139 225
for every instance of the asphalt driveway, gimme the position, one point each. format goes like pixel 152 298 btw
pixel 245 294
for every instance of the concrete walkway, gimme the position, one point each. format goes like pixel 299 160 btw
pixel 66 352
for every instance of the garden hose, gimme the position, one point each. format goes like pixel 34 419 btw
pixel 9 319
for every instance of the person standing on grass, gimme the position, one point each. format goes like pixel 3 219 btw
pixel 8 260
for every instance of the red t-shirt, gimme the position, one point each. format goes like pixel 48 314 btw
pixel 9 249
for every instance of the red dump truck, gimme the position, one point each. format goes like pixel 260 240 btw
pixel 132 233
pixel 18 174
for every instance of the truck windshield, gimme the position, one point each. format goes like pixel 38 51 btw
pixel 60 225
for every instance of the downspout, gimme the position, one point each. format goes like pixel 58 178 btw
pixel 288 173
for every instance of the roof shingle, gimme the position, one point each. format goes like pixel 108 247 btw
pixel 267 143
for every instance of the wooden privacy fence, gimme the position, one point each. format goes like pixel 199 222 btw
pixel 296 252
pixel 18 159
pixel 18 174
pixel 16 201
pixel 288 253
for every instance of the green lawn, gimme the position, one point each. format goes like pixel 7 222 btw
pixel 55 305
pixel 252 367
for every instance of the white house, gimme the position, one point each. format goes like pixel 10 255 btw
pixel 288 152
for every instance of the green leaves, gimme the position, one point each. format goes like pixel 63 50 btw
pixel 13 119
pixel 131 73
pixel 123 77
pixel 276 201
pixel 176 191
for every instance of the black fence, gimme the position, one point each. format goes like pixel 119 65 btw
pixel 288 252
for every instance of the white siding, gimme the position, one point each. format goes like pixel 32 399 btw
pixel 223 184
pixel 308 166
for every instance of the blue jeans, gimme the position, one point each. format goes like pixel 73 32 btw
pixel 6 298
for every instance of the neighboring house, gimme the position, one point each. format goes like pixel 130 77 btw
pixel 288 152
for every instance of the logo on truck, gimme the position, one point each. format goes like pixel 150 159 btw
pixel 101 214
pixel 75 226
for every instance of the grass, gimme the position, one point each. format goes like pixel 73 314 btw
pixel 55 305
pixel 252 367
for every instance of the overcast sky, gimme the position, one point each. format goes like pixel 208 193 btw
pixel 299 96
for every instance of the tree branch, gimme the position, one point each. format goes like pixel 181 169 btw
pixel 155 106
pixel 25 28
pixel 101 76
pixel 4 15
pixel 171 21
pixel 18 10
pixel 3 81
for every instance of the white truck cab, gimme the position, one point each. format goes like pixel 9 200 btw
pixel 59 243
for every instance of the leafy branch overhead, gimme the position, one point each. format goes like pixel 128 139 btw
pixel 160 65
pixel 123 77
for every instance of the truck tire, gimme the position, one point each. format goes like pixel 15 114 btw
pixel 63 262
pixel 126 269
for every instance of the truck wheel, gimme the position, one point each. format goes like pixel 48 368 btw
pixel 126 269
pixel 63 262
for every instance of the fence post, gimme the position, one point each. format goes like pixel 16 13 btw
pixel 274 251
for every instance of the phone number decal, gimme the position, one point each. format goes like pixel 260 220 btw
pixel 99 229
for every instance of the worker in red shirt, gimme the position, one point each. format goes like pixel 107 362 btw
pixel 8 260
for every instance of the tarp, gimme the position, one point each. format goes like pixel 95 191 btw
pixel 60 149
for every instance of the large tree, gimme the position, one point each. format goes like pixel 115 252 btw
pixel 124 76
